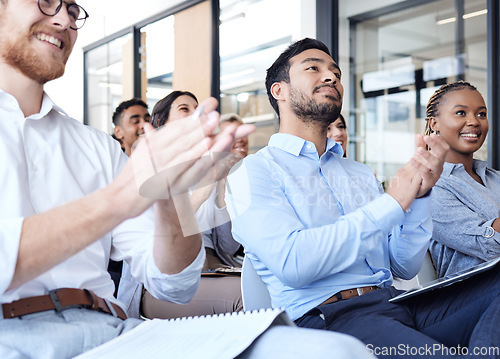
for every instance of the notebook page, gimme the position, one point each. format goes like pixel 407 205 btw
pixel 219 336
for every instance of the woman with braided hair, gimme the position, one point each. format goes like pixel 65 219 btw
pixel 466 199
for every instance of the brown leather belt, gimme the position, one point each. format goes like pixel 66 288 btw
pixel 59 300
pixel 348 294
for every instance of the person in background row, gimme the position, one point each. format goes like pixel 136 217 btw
pixel 337 131
pixel 466 199
pixel 216 293
pixel 241 145
pixel 212 214
pixel 128 125
pixel 128 121
pixel 208 200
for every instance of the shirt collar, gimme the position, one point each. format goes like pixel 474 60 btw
pixel 47 106
pixel 289 143
pixel 479 167
pixel 9 101
pixel 297 146
pixel 334 147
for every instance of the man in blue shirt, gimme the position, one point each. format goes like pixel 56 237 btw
pixel 325 238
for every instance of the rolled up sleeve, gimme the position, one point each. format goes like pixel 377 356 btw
pixel 133 243
pixel 10 234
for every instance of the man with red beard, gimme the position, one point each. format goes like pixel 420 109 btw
pixel 71 201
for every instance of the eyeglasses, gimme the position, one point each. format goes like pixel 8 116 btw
pixel 76 13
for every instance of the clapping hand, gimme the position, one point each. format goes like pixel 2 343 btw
pixel 417 177
pixel 174 158
pixel 431 160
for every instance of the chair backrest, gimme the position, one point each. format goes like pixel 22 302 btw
pixel 426 274
pixel 256 296
pixel 253 290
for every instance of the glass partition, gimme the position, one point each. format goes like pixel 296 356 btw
pixel 252 35
pixel 158 48
pixel 400 58
pixel 107 81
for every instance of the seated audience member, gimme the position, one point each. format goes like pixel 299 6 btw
pixel 212 215
pixel 241 145
pixel 327 241
pixel 128 124
pixel 466 199
pixel 128 121
pixel 337 131
pixel 215 294
pixel 70 202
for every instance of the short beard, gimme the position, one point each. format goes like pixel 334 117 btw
pixel 17 52
pixel 309 111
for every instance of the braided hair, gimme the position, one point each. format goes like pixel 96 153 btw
pixel 435 101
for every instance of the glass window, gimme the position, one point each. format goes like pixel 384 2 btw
pixel 399 60
pixel 252 35
pixel 158 49
pixel 107 81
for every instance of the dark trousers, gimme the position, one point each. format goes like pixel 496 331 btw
pixel 463 320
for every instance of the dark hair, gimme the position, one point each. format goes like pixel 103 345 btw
pixel 342 119
pixel 160 113
pixel 231 118
pixel 117 115
pixel 280 69
pixel 435 100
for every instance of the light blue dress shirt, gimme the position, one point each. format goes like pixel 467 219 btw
pixel 313 226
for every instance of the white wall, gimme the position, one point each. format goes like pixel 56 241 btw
pixel 105 18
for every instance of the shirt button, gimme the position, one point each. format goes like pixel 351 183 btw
pixel 309 146
pixel 408 210
pixel 403 236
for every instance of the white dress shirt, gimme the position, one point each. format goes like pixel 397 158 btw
pixel 210 216
pixel 49 159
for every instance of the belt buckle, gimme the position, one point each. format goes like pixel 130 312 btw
pixel 360 291
pixel 55 300
pixel 92 300
pixel 110 307
pixel 57 303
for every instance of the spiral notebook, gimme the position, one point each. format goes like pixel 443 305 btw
pixel 218 336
